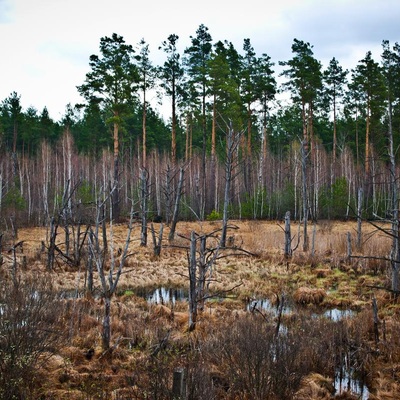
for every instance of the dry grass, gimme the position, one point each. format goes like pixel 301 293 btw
pixel 315 387
pixel 305 295
pixel 325 278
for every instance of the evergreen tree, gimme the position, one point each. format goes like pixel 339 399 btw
pixel 249 90
pixel 196 60
pixel 112 82
pixel 31 131
pixel 171 75
pixel 367 81
pixel 90 132
pixel 390 70
pixel 335 80
pixel 147 75
pixel 304 81
pixel 48 128
pixel 266 85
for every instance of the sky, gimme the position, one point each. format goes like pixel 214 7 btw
pixel 45 45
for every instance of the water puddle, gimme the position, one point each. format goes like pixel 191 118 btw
pixel 163 295
pixel 345 383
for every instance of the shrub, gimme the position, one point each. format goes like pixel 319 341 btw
pixel 214 216
pixel 29 329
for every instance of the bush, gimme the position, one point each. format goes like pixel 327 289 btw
pixel 258 363
pixel 29 330
pixel 214 216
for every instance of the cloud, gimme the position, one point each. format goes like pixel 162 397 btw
pixel 49 42
pixel 5 12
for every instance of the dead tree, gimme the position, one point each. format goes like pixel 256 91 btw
pixel 232 143
pixel 376 320
pixel 201 261
pixel 178 196
pixel 108 282
pixel 79 237
pixel 288 236
pixel 157 242
pixel 349 252
pixel 192 264
pixel 168 194
pixel 305 193
pixel 359 219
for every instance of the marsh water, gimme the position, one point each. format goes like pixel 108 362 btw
pixel 344 380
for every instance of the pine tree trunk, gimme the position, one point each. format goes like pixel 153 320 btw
pixel 305 200
pixel 144 139
pixel 143 206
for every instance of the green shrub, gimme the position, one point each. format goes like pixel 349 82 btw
pixel 214 216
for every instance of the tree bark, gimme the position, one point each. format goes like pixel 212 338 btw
pixel 288 236
pixel 192 283
pixel 143 206
pixel 305 199
pixel 115 193
pixel 175 214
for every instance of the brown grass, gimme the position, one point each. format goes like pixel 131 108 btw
pixel 305 295
pixel 315 387
pixel 326 278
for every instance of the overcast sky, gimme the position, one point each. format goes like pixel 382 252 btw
pixel 45 45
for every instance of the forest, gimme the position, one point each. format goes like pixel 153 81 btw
pixel 246 247
pixel 344 121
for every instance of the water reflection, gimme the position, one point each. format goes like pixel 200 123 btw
pixel 163 295
pixel 345 383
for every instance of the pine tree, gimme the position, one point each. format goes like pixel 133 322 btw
pixel 112 82
pixel 146 83
pixel 171 75
pixel 335 80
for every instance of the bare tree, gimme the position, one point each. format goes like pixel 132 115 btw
pixel 232 143
pixel 108 282
pixel 201 261
pixel 305 193
pixel 288 236
pixel 177 203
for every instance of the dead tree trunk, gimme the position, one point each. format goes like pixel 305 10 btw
pixel 176 207
pixel 168 195
pixel 89 268
pixel 108 285
pixel 288 236
pixel 157 242
pixel 52 244
pixel 232 142
pixel 348 246
pixel 359 219
pixel 395 251
pixel 192 283
pixel 376 320
pixel 201 282
pixel 179 384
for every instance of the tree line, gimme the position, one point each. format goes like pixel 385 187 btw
pixel 309 155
